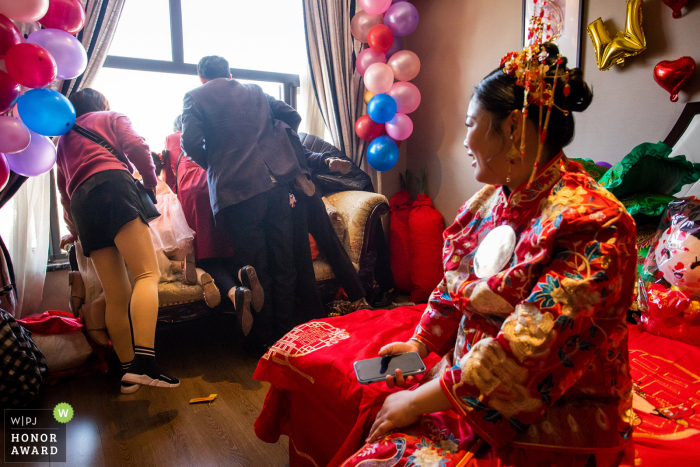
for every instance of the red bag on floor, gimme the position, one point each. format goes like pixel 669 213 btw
pixel 63 341
pixel 400 206
pixel 426 227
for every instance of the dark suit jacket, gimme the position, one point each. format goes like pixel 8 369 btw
pixel 238 135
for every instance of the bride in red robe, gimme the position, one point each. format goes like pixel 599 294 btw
pixel 539 374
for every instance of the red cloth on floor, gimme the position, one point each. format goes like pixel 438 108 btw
pixel 668 373
pixel 426 227
pixel 315 398
pixel 211 240
pixel 400 205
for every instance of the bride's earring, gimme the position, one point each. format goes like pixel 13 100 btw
pixel 512 156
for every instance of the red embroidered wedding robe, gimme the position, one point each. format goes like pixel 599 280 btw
pixel 541 368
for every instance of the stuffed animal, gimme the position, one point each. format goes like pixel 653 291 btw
pixel 672 291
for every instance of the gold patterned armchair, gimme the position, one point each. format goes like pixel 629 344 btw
pixel 356 216
pixel 177 301
pixel 356 213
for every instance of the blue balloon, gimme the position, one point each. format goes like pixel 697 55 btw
pixel 382 153
pixel 46 112
pixel 381 108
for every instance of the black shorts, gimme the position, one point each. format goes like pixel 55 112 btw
pixel 102 205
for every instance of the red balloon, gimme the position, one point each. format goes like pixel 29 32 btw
pixel 10 91
pixel 4 171
pixel 30 65
pixel 676 6
pixel 673 75
pixel 9 35
pixel 380 38
pixel 68 15
pixel 367 129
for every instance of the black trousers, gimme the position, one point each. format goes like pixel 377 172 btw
pixel 308 303
pixel 262 229
pixel 321 228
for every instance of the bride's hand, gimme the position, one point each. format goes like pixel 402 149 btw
pixel 402 347
pixel 398 411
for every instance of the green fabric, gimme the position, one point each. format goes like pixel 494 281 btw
pixel 594 170
pixel 649 205
pixel 648 169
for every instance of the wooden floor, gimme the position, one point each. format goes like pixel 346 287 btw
pixel 158 427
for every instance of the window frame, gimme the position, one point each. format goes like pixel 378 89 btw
pixel 290 85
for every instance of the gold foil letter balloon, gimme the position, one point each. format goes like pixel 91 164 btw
pixel 610 51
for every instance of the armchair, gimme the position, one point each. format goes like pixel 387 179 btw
pixel 356 215
pixel 177 301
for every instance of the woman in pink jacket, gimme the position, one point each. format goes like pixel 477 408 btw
pixel 103 208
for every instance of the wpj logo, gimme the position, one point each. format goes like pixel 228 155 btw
pixel 36 435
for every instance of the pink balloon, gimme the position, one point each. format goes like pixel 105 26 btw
pixel 37 159
pixel 379 78
pixel 405 65
pixel 406 95
pixel 4 171
pixel 362 22
pixel 14 135
pixel 25 11
pixel 400 127
pixel 366 58
pixel 375 7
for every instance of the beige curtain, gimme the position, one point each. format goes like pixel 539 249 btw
pixel 102 17
pixel 331 56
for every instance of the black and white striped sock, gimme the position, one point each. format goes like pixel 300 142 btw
pixel 144 351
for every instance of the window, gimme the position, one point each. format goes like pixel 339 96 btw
pixel 153 57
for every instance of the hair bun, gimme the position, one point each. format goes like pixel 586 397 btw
pixel 580 95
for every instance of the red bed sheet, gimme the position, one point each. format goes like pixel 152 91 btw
pixel 667 376
pixel 317 402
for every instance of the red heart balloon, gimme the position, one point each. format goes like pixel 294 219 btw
pixel 673 75
pixel 676 6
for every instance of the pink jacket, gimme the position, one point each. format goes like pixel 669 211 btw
pixel 79 158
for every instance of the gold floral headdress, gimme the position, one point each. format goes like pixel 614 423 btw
pixel 529 67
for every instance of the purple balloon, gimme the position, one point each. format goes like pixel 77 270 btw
pixel 604 164
pixel 402 18
pixel 14 135
pixel 397 1
pixel 37 159
pixel 66 50
pixel 396 46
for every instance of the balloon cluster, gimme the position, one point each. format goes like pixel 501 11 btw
pixel 27 67
pixel 386 68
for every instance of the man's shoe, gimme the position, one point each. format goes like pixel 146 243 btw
pixel 240 296
pixel 249 279
pixel 212 295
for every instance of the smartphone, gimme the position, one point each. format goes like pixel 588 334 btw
pixel 376 369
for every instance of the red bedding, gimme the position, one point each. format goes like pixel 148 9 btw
pixel 317 402
pixel 667 376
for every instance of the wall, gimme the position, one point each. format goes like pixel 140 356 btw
pixel 56 291
pixel 460 41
